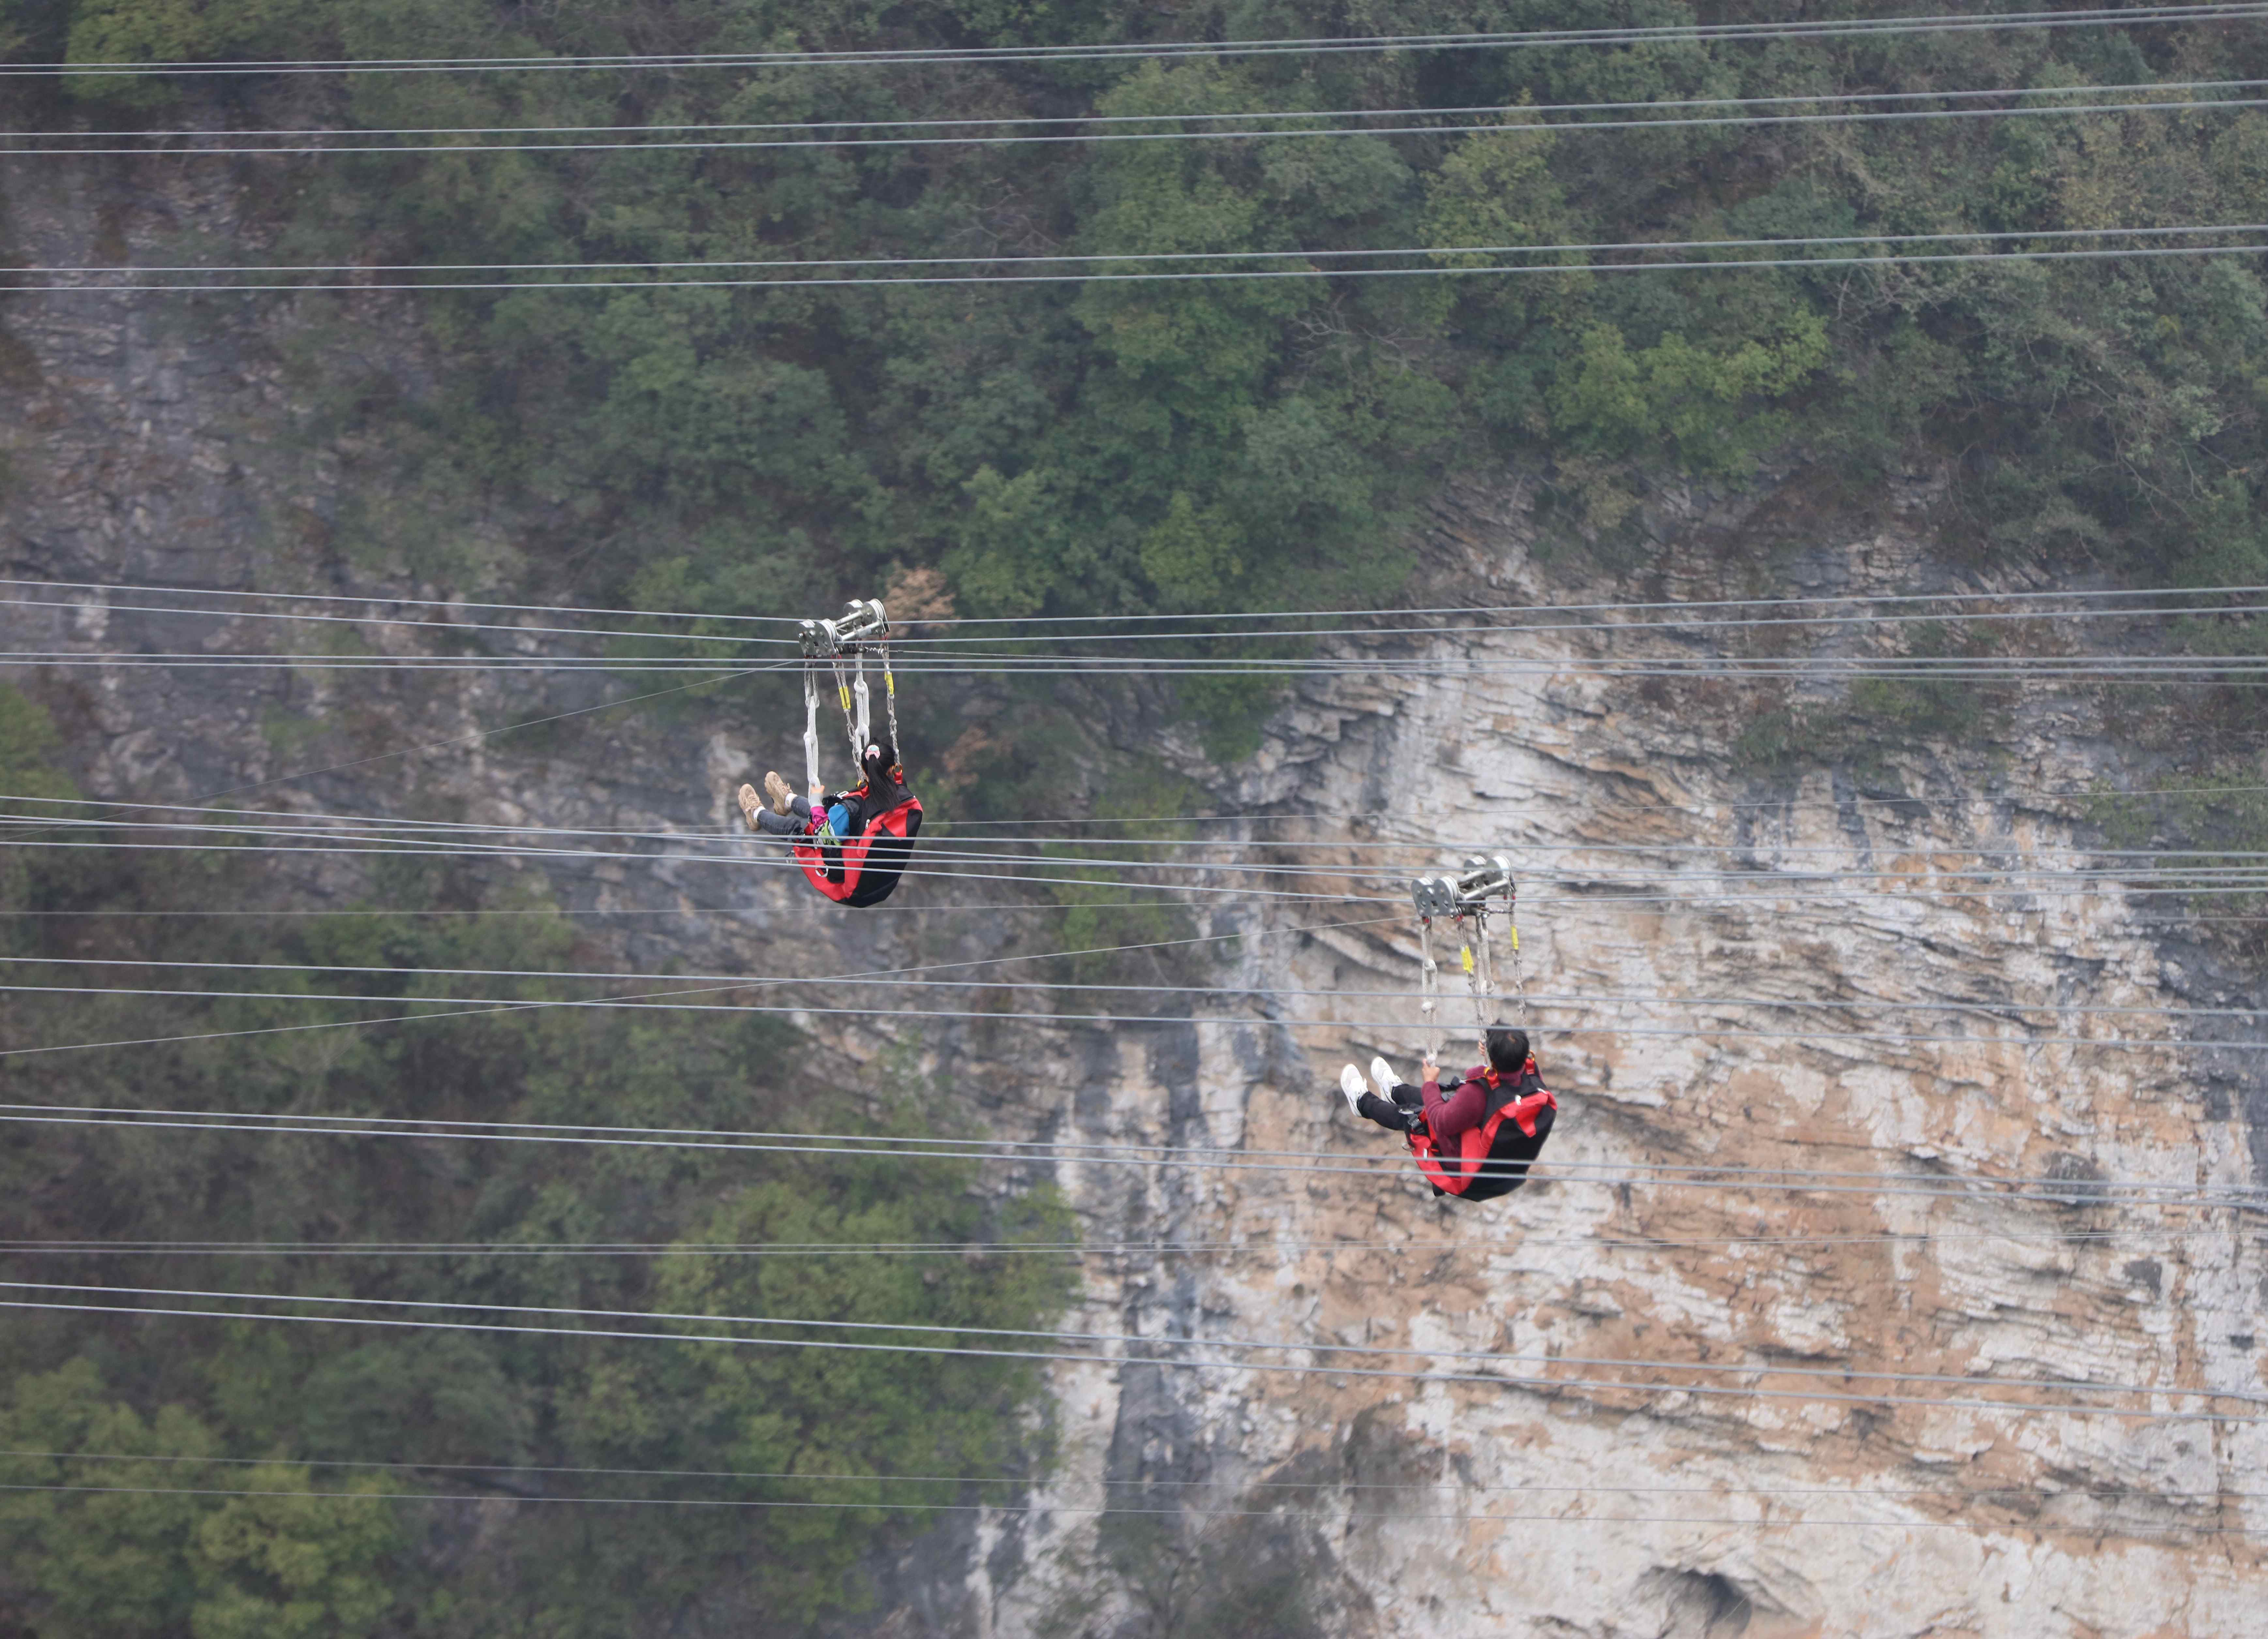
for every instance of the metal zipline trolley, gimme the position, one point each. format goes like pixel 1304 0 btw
pixel 861 870
pixel 1469 1167
pixel 835 643
pixel 1465 898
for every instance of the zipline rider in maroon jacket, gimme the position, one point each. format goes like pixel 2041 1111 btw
pixel 1475 1136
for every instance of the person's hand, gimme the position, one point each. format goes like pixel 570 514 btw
pixel 1432 1071
pixel 818 795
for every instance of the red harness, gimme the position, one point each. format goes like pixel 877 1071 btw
pixel 840 873
pixel 1456 1176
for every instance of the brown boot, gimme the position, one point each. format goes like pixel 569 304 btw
pixel 749 806
pixel 779 792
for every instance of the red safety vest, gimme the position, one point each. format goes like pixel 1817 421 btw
pixel 844 874
pixel 1454 1174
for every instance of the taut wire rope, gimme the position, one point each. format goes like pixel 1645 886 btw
pixel 1342 858
pixel 1144 1483
pixel 1255 1246
pixel 1696 34
pixel 1523 111
pixel 789 279
pixel 2042 595
pixel 2063 1192
pixel 1810 1367
pixel 936 648
pixel 248 144
pixel 305 822
pixel 1161 1362
pixel 725 983
pixel 2213 874
pixel 2031 1523
pixel 795 1010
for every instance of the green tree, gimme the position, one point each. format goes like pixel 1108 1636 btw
pixel 1193 557
pixel 1710 406
pixel 291 1564
pixel 1204 351
pixel 115 1546
pixel 102 1555
pixel 28 747
pixel 1014 544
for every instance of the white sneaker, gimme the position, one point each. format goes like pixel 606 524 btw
pixel 1382 1073
pixel 1351 1084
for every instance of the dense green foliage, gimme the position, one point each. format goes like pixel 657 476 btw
pixel 1061 447
pixel 278 1560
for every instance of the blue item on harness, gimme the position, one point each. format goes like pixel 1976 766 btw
pixel 838 820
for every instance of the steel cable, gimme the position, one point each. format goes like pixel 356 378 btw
pixel 1894 258
pixel 1696 33
pixel 2038 596
pixel 1063 871
pixel 1523 110
pixel 240 144
pixel 1165 1482
pixel 1144 258
pixel 2072 1191
pixel 303 823
pixel 295 822
pixel 725 983
pixel 946 647
pixel 1491 1246
pixel 2030 1525
pixel 1810 1367
pixel 1539 1384
pixel 1689 860
pixel 2134 886
pixel 1687 1032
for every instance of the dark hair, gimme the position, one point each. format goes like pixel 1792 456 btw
pixel 881 755
pixel 1507 1050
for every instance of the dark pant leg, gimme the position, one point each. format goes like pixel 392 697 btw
pixel 794 822
pixel 1393 1117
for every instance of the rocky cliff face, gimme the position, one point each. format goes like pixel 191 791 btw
pixel 1577 1496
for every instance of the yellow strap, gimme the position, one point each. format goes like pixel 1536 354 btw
pixel 1515 938
pixel 843 689
pixel 890 684
pixel 1467 959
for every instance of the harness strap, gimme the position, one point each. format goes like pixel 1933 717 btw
pixel 1452 1171
pixel 810 726
pixel 1480 977
pixel 890 704
pixel 1519 985
pixel 850 723
pixel 1428 986
pixel 864 733
pixel 839 872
